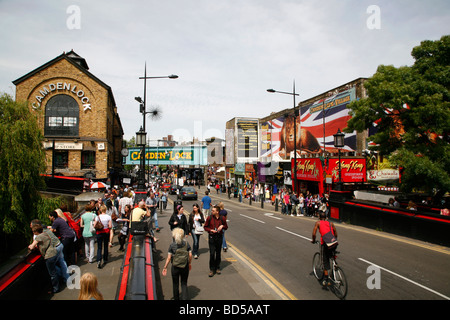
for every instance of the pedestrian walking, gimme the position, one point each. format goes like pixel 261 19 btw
pixel 196 221
pixel 125 219
pixel 126 199
pixel 214 225
pixel 223 214
pixel 114 214
pixel 178 220
pixel 87 223
pixel 181 256
pixel 164 200
pixel 103 236
pixel 151 204
pixel 206 204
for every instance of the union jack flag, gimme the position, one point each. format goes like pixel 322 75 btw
pixel 325 115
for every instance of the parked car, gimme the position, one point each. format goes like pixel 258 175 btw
pixel 188 193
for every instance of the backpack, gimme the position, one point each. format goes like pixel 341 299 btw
pixel 329 239
pixel 181 257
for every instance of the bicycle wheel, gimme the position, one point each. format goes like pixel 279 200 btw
pixel 317 266
pixel 340 286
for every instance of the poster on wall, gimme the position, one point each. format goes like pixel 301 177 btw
pixel 247 139
pixel 352 170
pixel 315 127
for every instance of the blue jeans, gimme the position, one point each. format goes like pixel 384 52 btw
pixel 195 245
pixel 57 268
pixel 61 264
pixel 155 218
pixel 224 242
pixel 102 240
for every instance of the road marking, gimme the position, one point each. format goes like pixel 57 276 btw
pixel 406 279
pixel 252 218
pixel 270 215
pixel 295 234
pixel 279 289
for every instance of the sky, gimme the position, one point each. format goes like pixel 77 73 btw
pixel 227 53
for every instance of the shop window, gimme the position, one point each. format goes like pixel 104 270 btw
pixel 61 159
pixel 88 160
pixel 61 116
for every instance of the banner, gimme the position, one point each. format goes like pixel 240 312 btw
pixel 189 155
pixel 309 169
pixel 352 170
pixel 315 127
pixel 247 140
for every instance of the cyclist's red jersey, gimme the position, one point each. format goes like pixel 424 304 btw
pixel 324 227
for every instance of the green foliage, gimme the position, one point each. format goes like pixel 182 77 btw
pixel 417 136
pixel 45 206
pixel 22 159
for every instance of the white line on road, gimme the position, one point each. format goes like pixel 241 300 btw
pixel 252 218
pixel 295 234
pixel 404 278
pixel 270 215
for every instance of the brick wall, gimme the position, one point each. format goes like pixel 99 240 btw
pixel 96 107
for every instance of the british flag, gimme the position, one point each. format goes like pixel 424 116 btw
pixel 325 115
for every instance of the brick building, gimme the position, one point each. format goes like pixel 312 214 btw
pixel 78 116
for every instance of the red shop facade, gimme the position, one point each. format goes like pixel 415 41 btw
pixel 320 176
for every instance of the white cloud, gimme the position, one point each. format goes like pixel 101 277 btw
pixel 226 53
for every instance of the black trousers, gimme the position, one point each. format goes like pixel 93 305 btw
pixel 215 247
pixel 177 275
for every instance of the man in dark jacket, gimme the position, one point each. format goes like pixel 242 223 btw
pixel 214 225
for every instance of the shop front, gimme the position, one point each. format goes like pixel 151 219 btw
pixel 319 177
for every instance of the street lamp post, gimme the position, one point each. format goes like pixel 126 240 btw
pixel 339 143
pixel 142 109
pixel 140 142
pixel 296 113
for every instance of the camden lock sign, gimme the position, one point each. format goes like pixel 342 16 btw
pixel 62 86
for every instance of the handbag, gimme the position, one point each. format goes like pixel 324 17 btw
pixel 329 239
pixel 98 225
pixel 199 229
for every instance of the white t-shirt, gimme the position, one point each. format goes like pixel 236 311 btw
pixel 105 219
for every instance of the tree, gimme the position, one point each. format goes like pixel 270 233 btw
pixel 411 109
pixel 22 159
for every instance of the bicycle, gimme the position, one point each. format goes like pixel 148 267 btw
pixel 337 277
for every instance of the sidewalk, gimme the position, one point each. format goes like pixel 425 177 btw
pixel 238 280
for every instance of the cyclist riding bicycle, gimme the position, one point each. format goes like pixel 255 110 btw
pixel 324 227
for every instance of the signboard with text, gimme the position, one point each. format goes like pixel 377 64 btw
pixel 247 140
pixel 189 155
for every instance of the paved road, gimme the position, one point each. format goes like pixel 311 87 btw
pixel 280 245
pixel 269 258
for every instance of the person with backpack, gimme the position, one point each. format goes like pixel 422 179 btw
pixel 180 255
pixel 328 242
pixel 215 225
